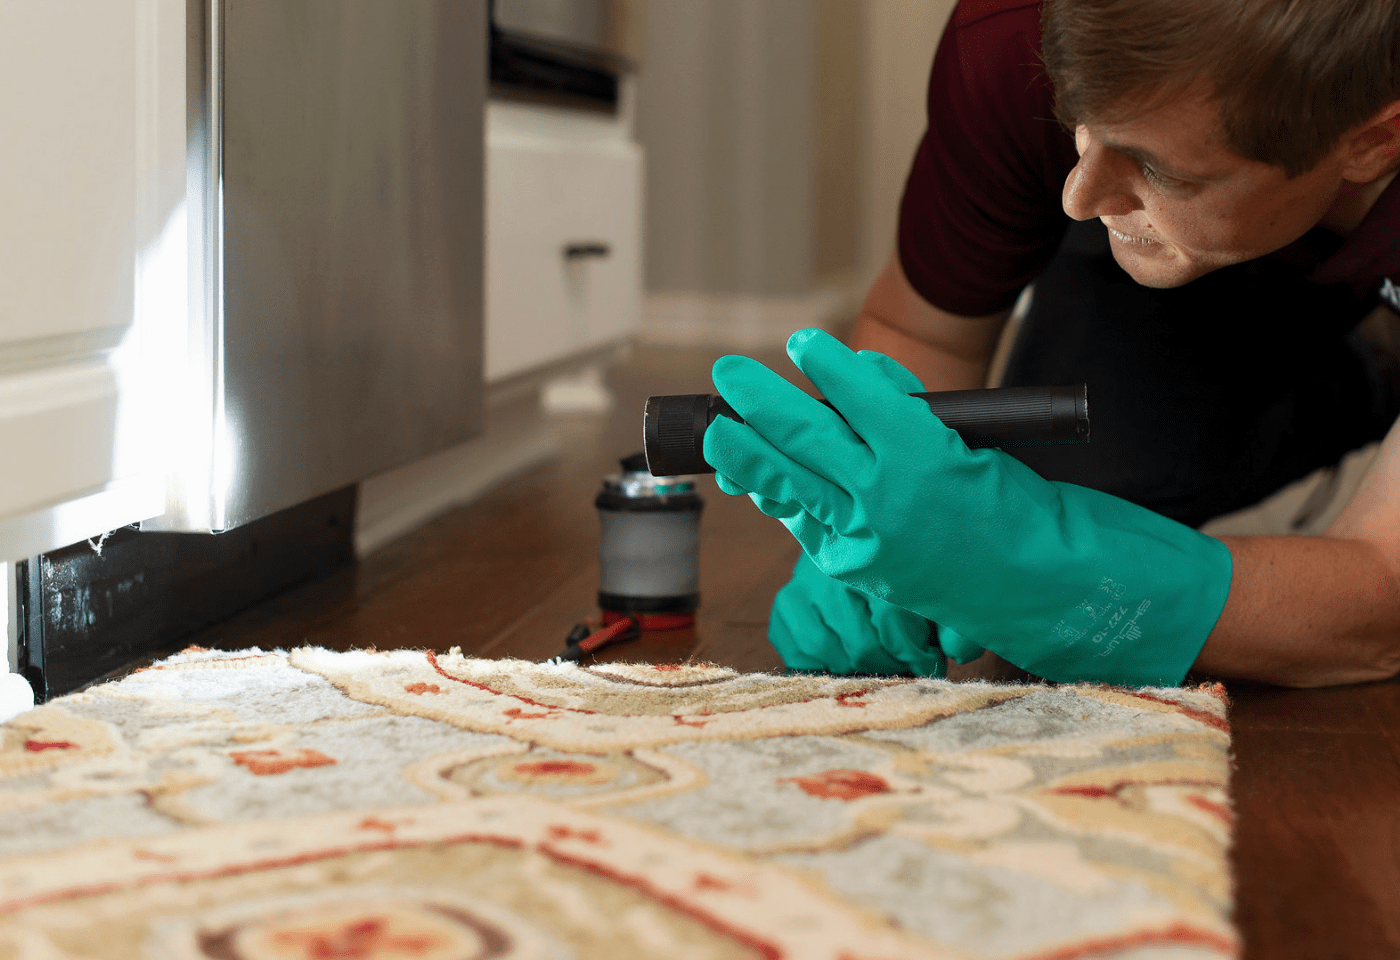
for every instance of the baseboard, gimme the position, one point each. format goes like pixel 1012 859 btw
pixel 745 322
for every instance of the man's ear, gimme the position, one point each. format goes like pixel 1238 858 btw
pixel 1373 147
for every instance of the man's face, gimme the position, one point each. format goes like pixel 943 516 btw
pixel 1178 203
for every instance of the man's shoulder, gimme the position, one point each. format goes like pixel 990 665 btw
pixel 971 12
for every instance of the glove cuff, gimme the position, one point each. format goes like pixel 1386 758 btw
pixel 1150 636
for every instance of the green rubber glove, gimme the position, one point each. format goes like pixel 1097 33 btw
pixel 1065 582
pixel 956 646
pixel 818 623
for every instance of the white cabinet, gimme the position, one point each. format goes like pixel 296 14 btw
pixel 92 260
pixel 563 234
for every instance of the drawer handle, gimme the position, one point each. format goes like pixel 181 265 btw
pixel 592 248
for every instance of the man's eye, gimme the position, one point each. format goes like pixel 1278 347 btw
pixel 1152 176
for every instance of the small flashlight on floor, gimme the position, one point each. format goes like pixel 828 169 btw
pixel 648 556
pixel 673 428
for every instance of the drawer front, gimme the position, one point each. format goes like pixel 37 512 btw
pixel 563 249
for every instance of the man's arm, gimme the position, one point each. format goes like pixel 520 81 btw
pixel 945 351
pixel 1315 611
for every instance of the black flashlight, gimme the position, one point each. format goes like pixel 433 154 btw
pixel 673 428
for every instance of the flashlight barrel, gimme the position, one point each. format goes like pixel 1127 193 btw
pixel 673 427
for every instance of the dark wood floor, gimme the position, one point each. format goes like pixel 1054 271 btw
pixel 1317 776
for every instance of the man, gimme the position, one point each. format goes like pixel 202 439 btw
pixel 1230 169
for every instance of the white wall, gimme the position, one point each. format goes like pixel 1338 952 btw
pixel 725 114
pixel 7 617
pixel 778 134
pixel 900 37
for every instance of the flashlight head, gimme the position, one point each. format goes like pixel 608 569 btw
pixel 673 433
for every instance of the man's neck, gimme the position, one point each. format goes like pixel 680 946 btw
pixel 1353 202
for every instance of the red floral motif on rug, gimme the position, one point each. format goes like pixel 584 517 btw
pixel 267 763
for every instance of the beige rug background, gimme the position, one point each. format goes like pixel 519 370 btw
pixel 310 804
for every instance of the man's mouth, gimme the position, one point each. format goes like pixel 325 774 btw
pixel 1128 237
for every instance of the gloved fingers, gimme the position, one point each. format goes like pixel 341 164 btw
pixel 820 623
pixel 776 509
pixel 810 535
pixel 873 404
pixel 898 374
pixel 729 486
pixel 804 571
pixel 906 638
pixel 749 461
pixel 807 431
pixel 956 646
pixel 797 632
pixel 845 615
pixel 870 656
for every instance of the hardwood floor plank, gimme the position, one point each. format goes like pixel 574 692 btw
pixel 1317 845
pixel 1351 709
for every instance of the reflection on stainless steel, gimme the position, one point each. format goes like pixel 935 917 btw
pixel 341 146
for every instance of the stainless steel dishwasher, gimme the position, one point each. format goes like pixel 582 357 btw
pixel 336 212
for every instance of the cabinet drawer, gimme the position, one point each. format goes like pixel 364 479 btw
pixel 563 248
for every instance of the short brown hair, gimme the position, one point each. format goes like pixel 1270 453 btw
pixel 1291 76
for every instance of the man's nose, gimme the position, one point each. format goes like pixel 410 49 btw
pixel 1099 185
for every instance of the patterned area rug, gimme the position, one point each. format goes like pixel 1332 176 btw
pixel 382 806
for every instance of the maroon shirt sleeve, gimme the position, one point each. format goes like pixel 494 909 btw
pixel 981 213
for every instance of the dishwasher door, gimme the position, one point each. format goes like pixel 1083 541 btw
pixel 342 182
